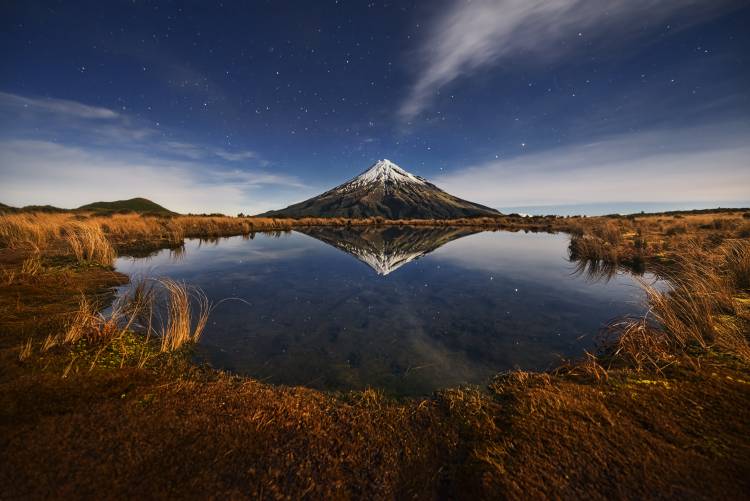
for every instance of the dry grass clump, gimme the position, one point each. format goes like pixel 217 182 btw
pixel 83 324
pixel 111 332
pixel 26 350
pixel 101 327
pixel 32 265
pixel 588 368
pixel 638 344
pixel 88 243
pixel 214 226
pixel 609 231
pixel 737 262
pixel 697 313
pixel 163 307
pixel 123 228
pixel 512 382
pixel 155 316
pixel 592 248
pixel 34 229
pixel 183 325
pixel 49 342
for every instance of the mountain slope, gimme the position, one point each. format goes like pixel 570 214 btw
pixel 140 205
pixel 386 190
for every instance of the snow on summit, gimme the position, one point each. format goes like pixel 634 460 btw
pixel 382 172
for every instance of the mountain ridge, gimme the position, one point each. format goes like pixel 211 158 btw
pixel 385 190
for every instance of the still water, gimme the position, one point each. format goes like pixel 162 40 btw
pixel 407 310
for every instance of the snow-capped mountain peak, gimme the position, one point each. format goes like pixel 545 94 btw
pixel 384 172
pixel 385 190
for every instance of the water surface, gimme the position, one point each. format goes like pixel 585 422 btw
pixel 408 310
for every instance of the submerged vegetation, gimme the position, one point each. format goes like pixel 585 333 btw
pixel 101 397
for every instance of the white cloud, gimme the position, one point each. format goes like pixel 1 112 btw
pixel 236 156
pixel 57 106
pixel 474 34
pixel 42 172
pixel 25 117
pixel 700 164
pixel 182 149
pixel 195 152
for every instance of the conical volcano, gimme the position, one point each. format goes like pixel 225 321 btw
pixel 386 190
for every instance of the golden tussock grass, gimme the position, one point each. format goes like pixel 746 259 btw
pixel 591 248
pixel 637 238
pixel 187 314
pixel 88 243
pixel 699 310
pixel 32 265
pixel 35 229
pixel 644 230
pixel 83 323
pixel 737 263
pixel 26 350
pixel 588 368
pixel 49 342
pixel 41 229
pixel 169 311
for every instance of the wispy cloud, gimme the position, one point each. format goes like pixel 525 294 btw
pixel 245 178
pixel 197 152
pixel 474 34
pixel 698 164
pixel 236 156
pixel 57 106
pixel 25 116
pixel 182 149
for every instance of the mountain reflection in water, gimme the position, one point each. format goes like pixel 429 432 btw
pixel 387 248
pixel 443 307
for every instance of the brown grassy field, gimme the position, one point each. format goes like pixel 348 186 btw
pixel 94 406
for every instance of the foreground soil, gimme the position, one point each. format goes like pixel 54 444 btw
pixel 73 427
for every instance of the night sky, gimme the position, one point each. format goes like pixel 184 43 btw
pixel 574 105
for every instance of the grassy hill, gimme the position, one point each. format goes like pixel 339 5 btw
pixel 30 208
pixel 140 205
